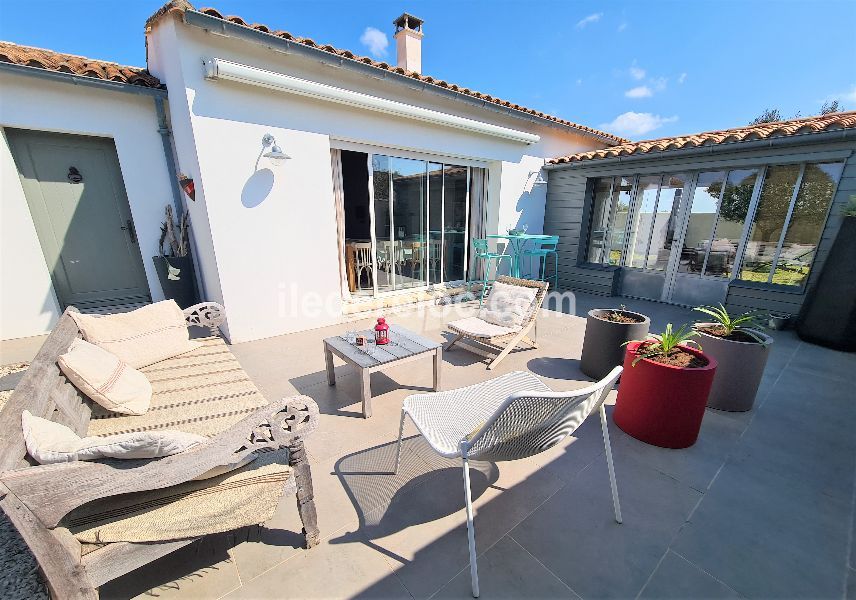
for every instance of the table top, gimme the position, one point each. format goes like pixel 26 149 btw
pixel 518 236
pixel 403 343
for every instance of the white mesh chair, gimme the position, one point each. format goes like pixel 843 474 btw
pixel 508 418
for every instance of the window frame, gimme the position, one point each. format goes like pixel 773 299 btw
pixel 690 185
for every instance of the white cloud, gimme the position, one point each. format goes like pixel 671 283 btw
pixel 622 27
pixel 636 124
pixel 849 96
pixel 682 77
pixel 642 91
pixel 376 41
pixel 579 81
pixel 659 83
pixel 592 18
pixel 637 73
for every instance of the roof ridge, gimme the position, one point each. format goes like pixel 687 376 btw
pixel 744 133
pixel 184 5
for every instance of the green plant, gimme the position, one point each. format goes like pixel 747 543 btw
pixel 663 344
pixel 746 323
pixel 850 209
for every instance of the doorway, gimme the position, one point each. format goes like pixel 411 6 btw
pixel 76 196
pixel 405 222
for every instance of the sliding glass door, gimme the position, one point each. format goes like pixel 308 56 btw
pixel 419 214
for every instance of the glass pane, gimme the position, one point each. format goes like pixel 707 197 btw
pixel 729 226
pixel 409 237
pixel 435 221
pixel 640 225
pixel 384 257
pixel 668 203
pixel 621 193
pixel 806 225
pixel 600 220
pixel 454 222
pixel 700 224
pixel 766 228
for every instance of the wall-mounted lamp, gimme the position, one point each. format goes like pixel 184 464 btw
pixel 275 154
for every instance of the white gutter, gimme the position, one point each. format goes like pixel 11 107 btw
pixel 217 69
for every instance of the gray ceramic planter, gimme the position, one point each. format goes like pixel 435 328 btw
pixel 603 348
pixel 741 366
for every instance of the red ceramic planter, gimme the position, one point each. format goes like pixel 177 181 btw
pixel 660 404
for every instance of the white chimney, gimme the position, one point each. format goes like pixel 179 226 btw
pixel 408 42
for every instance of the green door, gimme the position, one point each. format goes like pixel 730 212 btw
pixel 76 196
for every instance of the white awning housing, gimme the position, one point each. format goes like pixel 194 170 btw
pixel 218 68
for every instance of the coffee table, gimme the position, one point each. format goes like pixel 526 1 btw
pixel 404 346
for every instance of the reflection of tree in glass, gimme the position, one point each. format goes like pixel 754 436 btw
pixel 735 201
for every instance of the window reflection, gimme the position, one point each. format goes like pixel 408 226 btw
pixel 733 208
pixel 806 224
pixel 766 229
pixel 700 225
pixel 665 221
pixel 601 206
pixel 640 225
pixel 621 195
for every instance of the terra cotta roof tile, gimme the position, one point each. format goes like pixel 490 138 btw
pixel 183 6
pixel 76 65
pixel 762 131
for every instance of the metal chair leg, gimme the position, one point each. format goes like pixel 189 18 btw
pixel 609 464
pixel 471 532
pixel 400 434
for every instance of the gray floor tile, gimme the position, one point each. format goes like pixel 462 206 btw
pixel 574 533
pixel 764 536
pixel 507 570
pixel 422 532
pixel 678 578
pixel 697 465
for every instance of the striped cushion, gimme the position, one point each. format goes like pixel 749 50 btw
pixel 204 392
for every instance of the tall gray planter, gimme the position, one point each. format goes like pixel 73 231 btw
pixel 741 367
pixel 603 348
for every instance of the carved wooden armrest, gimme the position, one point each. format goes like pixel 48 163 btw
pixel 52 491
pixel 206 314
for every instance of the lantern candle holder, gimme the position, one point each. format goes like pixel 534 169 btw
pixel 381 332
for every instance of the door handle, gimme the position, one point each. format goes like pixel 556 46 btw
pixel 131 231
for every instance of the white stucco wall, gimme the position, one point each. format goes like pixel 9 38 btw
pixel 273 232
pixel 28 304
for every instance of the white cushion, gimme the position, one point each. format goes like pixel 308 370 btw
pixel 110 382
pixel 508 305
pixel 141 337
pixel 48 442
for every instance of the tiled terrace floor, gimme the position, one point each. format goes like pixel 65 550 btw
pixel 762 506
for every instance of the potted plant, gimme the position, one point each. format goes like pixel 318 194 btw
pixel 607 330
pixel 174 266
pixel 664 388
pixel 833 299
pixel 741 350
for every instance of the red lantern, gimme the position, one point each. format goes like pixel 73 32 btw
pixel 381 332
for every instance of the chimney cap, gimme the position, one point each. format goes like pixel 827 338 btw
pixel 408 21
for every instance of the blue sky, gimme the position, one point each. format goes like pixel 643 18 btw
pixel 640 69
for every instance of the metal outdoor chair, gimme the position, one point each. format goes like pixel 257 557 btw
pixel 508 418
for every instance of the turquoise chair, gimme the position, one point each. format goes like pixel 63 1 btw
pixel 483 252
pixel 544 248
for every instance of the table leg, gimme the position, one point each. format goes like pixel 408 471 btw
pixel 366 392
pixel 328 358
pixel 438 365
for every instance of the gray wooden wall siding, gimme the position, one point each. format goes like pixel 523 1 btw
pixel 568 193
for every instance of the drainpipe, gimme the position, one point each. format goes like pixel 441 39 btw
pixel 163 130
